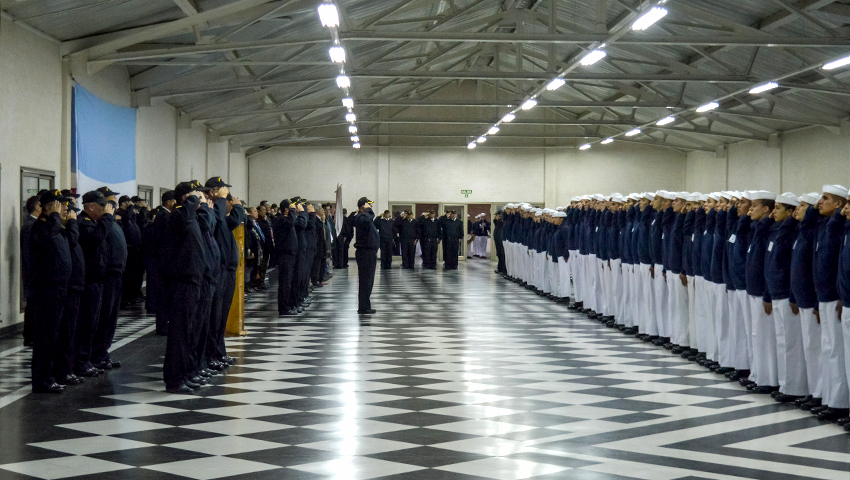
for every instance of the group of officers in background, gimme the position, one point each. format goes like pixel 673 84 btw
pixel 76 269
pixel 748 284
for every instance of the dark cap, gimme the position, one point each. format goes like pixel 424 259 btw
pixel 182 189
pixel 216 182
pixel 95 196
pixel 135 198
pixel 52 196
pixel 124 198
pixel 72 193
pixel 196 185
pixel 71 205
pixel 363 201
pixel 167 196
pixel 107 192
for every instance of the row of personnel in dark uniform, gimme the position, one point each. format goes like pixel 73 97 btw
pixel 428 230
pixel 75 270
pixel 748 284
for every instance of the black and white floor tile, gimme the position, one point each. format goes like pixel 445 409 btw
pixel 460 375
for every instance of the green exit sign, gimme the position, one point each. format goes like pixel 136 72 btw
pixel 466 193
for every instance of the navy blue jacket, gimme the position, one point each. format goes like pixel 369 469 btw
pixel 366 235
pixel 92 236
pixel 777 260
pixel 668 221
pixel 77 280
pixel 655 238
pixel 737 254
pixel 718 253
pixel 696 242
pixel 802 254
pixel 643 231
pixel 285 238
pixel 825 264
pixel 844 268
pixel 50 254
pixel 186 260
pixel 756 251
pixel 706 257
pixel 676 243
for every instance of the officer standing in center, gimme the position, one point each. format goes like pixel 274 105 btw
pixel 366 248
pixel 408 233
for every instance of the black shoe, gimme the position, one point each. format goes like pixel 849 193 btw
pixel 181 390
pixel 205 373
pixel 843 421
pixel 104 365
pixel 70 379
pixel 651 338
pixel 366 312
pixel 818 409
pixel 802 400
pixel 192 385
pixel 776 394
pixel 669 346
pixel 847 427
pixel 92 372
pixel 764 389
pixel 679 349
pixel 630 331
pixel 209 373
pixel 52 388
pixel 622 328
pixel 786 398
pixel 746 382
pixel 228 360
pixel 833 414
pixel 611 324
pixel 813 403
pixel 215 366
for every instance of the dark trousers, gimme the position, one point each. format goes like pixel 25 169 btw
pixel 337 252
pixel 108 317
pixel 429 252
pixel 29 320
pixel 182 304
pixel 317 271
pixel 408 253
pixel 500 253
pixel 87 322
pixel 367 260
pixel 63 358
pixel 202 329
pixel 451 249
pixel 48 317
pixel 286 298
pixel 345 249
pixel 386 253
pixel 304 274
pixel 134 275
pixel 219 312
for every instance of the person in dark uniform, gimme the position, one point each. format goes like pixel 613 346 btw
pixel 50 259
pixel 183 274
pixel 366 245
pixel 384 224
pixel 229 215
pixel 317 270
pixel 115 246
pixel 408 234
pixel 63 360
pixel 347 235
pixel 33 207
pixel 134 273
pixel 284 227
pixel 310 241
pixel 452 234
pixel 498 241
pixel 429 237
pixel 153 238
pixel 268 244
pixel 200 361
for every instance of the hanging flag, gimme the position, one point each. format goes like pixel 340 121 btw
pixel 339 216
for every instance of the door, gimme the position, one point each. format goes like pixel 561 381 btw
pixel 461 210
pixel 145 192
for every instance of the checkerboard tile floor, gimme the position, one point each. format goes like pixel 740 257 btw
pixel 460 375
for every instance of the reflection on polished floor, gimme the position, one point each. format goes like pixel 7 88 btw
pixel 460 375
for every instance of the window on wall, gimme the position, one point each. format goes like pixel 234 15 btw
pixel 145 192
pixel 33 181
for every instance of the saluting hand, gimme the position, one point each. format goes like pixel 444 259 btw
pixel 52 207
pixel 109 208
pixel 72 214
pixel 299 207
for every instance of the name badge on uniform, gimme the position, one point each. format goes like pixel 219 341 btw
pixel 732 239
pixel 770 247
pixel 795 245
pixel 705 232
pixel 693 235
pixel 653 222
pixel 597 229
pixel 749 248
pixel 817 246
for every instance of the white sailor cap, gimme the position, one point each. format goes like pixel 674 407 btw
pixel 527 208
pixel 738 195
pixel 649 196
pixel 788 198
pixel 635 196
pixel 559 214
pixel 618 198
pixel 539 213
pixel 715 196
pixel 616 194
pixel 727 195
pixel 811 198
pixel 839 190
pixel 668 195
pixel 703 197
pixel 682 195
pixel 759 195
pixel 560 209
pixel 576 199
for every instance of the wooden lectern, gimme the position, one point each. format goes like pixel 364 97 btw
pixel 236 318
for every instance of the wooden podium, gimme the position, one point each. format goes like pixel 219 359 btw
pixel 236 318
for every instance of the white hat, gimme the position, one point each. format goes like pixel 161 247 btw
pixel 788 198
pixel 703 197
pixel 616 194
pixel 668 195
pixel 560 209
pixel 635 196
pixel 527 208
pixel 759 195
pixel 559 214
pixel 839 190
pixel 618 198
pixel 694 197
pixel 682 195
pixel 727 195
pixel 810 198
pixel 539 213
pixel 649 196
pixel 575 199
pixel 715 196
pixel 510 205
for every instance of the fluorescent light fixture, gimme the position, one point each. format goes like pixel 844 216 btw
pixel 348 102
pixel 343 81
pixel 328 15
pixel 665 121
pixel 350 117
pixel 471 145
pixel 632 133
pixel 529 104
pixel 707 107
pixel 493 131
pixel 337 54
pixel 607 141
pixel 352 129
pixel 764 87
pixel 586 146
pixel 356 145
pixel 355 139
pixel 593 57
pixel 481 139
pixel 647 19
pixel 837 64
pixel 509 118
pixel 555 84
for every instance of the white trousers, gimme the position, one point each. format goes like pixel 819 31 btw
pixel 793 377
pixel 722 308
pixel 811 331
pixel 692 322
pixel 616 290
pixel 599 272
pixel 704 310
pixel 764 366
pixel 509 260
pixel 677 309
pixel 836 394
pixel 739 314
pixel 661 308
pixel 563 277
pixel 590 268
pixel 479 246
pixel 624 304
pixel 572 289
pixel 648 322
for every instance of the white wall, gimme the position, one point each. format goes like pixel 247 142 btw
pixel 156 148
pixel 803 162
pixel 550 175
pixel 30 136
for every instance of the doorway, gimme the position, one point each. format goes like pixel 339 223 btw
pixel 479 246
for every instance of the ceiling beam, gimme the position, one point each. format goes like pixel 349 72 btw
pixel 189 7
